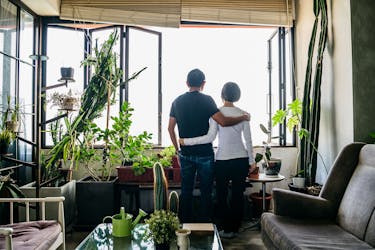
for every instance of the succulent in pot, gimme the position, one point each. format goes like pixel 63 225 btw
pixel 6 138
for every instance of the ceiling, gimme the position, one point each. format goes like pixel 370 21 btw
pixel 44 7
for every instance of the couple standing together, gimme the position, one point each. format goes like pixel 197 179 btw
pixel 199 120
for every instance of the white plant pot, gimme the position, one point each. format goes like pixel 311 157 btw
pixel 298 181
pixel 68 190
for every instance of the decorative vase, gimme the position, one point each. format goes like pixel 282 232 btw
pixel 183 241
pixel 163 246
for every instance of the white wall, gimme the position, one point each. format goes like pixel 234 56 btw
pixel 336 125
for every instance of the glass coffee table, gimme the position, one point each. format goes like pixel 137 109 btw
pixel 101 238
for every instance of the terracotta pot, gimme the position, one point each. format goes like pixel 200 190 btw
pixel 126 174
pixel 175 163
pixel 257 200
pixel 254 174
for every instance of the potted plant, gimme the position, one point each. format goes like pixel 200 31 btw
pixel 6 138
pixel 64 101
pixel 8 189
pixel 293 117
pixel 270 165
pixel 11 116
pixel 131 149
pixel 162 226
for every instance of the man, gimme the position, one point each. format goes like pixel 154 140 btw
pixel 191 112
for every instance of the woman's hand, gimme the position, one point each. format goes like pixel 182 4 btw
pixel 253 168
pixel 181 141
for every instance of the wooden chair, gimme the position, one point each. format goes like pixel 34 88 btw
pixel 27 229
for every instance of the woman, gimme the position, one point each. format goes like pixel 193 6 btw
pixel 233 158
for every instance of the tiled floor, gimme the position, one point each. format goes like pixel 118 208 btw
pixel 246 239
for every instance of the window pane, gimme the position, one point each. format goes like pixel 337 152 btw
pixel 275 73
pixel 98 38
pixel 8 19
pixel 223 54
pixel 289 79
pixel 26 84
pixel 65 48
pixel 143 91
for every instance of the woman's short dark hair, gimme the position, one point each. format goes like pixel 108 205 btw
pixel 195 78
pixel 231 92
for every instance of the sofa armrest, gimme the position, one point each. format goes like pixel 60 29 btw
pixel 299 205
pixel 7 232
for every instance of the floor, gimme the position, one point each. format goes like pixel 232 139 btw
pixel 246 239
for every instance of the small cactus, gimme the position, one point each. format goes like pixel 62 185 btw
pixel 173 202
pixel 160 187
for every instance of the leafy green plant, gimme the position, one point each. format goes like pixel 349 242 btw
pixel 166 156
pixel 132 149
pixel 6 136
pixel 103 84
pixel 372 135
pixel 293 117
pixel 162 225
pixel 266 154
pixel 9 188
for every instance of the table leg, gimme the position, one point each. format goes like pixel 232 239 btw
pixel 264 196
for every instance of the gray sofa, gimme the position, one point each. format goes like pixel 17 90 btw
pixel 341 217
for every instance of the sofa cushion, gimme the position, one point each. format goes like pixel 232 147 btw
pixel 33 235
pixel 289 233
pixel 356 211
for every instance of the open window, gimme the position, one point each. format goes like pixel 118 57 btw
pixel 281 87
pixel 143 49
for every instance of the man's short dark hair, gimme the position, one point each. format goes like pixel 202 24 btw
pixel 231 92
pixel 195 78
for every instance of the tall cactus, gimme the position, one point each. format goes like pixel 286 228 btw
pixel 173 202
pixel 160 187
pixel 312 94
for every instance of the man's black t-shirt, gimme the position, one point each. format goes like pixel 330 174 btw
pixel 192 111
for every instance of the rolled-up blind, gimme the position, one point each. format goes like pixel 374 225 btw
pixel 165 13
pixel 169 13
pixel 258 12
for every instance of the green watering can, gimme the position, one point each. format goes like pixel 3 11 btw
pixel 122 223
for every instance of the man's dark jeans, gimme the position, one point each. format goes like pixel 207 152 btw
pixel 203 166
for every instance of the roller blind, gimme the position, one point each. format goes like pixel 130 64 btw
pixel 169 13
pixel 166 13
pixel 262 12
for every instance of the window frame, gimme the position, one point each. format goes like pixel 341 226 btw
pixel 124 62
pixel 280 34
